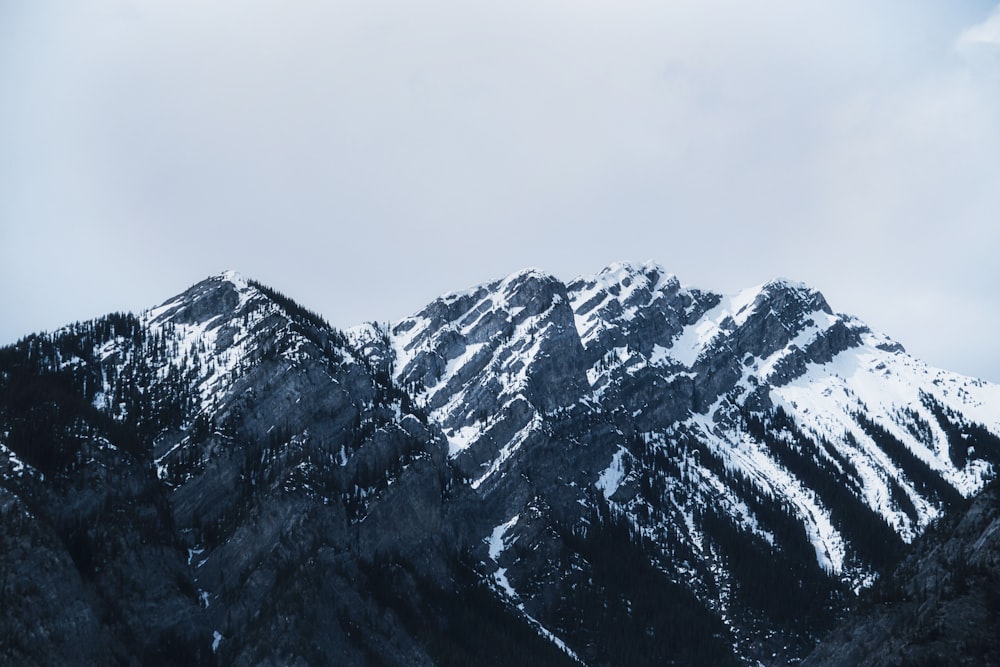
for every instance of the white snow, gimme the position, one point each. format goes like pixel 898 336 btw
pixel 17 466
pixel 500 577
pixel 756 463
pixel 495 541
pixel 689 345
pixel 460 439
pixel 612 478
pixel 548 634
pixel 497 547
pixel 508 449
pixel 884 385
pixel 456 364
pixel 216 640
pixel 660 356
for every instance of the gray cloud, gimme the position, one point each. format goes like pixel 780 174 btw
pixel 364 157
pixel 986 33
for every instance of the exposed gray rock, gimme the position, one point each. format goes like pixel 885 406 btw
pixel 939 606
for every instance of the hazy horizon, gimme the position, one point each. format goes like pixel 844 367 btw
pixel 365 158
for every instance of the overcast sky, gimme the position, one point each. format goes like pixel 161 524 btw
pixel 364 156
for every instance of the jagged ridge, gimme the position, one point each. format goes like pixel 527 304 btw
pixel 551 440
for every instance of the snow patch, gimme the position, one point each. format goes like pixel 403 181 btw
pixel 612 478
pixel 689 345
pixel 500 577
pixel 193 553
pixel 495 540
pixel 460 439
pixel 17 466
pixel 508 450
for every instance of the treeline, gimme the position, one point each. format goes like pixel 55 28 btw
pixel 963 435
pixel 872 538
pixel 56 390
pixel 924 478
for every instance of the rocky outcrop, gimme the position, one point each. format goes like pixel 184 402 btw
pixel 939 606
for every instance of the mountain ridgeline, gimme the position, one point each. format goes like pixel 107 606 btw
pixel 618 470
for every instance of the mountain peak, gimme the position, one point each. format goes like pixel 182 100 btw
pixel 528 273
pixel 234 277
pixel 203 301
pixel 625 273
pixel 809 297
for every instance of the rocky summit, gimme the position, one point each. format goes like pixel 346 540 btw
pixel 615 470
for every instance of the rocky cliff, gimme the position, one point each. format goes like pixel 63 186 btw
pixel 939 606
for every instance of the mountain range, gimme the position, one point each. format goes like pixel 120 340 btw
pixel 615 470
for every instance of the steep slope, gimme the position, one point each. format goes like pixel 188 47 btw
pixel 277 476
pixel 490 364
pixel 85 521
pixel 939 606
pixel 744 443
pixel 788 418
pixel 615 470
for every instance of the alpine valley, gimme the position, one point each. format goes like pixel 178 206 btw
pixel 617 470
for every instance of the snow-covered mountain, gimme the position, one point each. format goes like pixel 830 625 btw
pixel 614 470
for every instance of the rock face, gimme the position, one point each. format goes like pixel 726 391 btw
pixel 614 470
